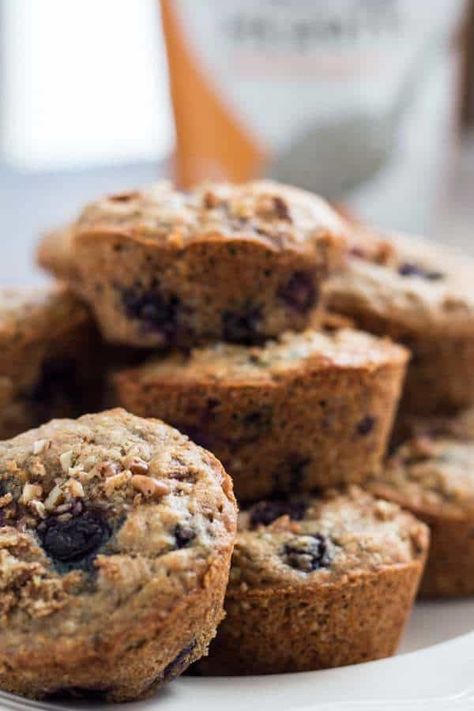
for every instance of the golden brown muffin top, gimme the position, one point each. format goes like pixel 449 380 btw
pixel 321 540
pixel 281 216
pixel 408 280
pixel 432 475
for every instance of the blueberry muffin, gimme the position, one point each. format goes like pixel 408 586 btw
pixel 55 253
pixel 433 477
pixel 421 295
pixel 116 535
pixel 50 358
pixel 226 262
pixel 311 409
pixel 318 583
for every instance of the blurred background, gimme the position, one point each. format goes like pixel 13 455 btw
pixel 369 102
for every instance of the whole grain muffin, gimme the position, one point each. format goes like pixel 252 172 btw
pixel 116 535
pixel 421 295
pixel 226 262
pixel 433 477
pixel 310 409
pixel 458 426
pixel 50 358
pixel 318 583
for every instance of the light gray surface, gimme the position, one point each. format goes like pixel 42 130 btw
pixel 33 203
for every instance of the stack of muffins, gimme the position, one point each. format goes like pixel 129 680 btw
pixel 422 295
pixel 232 313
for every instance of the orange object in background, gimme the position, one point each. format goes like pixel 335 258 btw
pixel 210 141
pixel 352 99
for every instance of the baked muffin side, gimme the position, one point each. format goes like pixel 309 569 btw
pixel 311 409
pixel 318 583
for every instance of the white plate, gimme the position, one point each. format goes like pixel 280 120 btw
pixel 434 671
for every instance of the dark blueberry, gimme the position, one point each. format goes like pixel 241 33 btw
pixel 252 419
pixel 297 472
pixel 291 474
pixel 300 292
pixel 212 403
pixel 205 415
pixel 75 542
pixel 183 535
pixel 254 424
pixel 242 326
pixel 407 269
pixel 201 419
pixel 179 663
pixel 265 512
pixel 155 310
pixel 258 419
pixel 59 377
pixel 410 269
pixel 308 553
pixel 366 425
